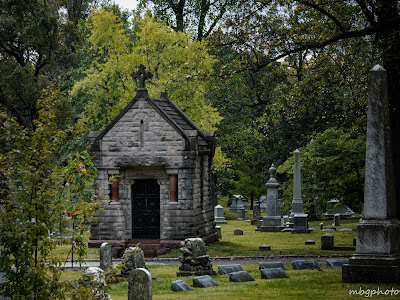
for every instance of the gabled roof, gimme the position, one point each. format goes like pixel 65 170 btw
pixel 169 111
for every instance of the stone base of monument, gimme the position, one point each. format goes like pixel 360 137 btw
pixel 271 228
pixel 255 221
pixel 372 269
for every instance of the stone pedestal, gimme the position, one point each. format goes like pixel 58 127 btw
pixel 272 222
pixel 377 257
pixel 242 214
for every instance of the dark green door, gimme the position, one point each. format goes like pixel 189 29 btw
pixel 146 209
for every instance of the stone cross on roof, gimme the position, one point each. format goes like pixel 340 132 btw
pixel 141 75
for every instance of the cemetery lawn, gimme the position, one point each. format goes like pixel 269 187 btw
pixel 302 284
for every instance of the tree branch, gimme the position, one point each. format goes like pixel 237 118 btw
pixel 324 12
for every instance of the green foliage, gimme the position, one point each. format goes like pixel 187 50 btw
pixel 180 66
pixel 332 165
pixel 36 192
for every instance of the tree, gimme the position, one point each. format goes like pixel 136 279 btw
pixel 332 165
pixel 37 191
pixel 199 17
pixel 179 64
pixel 36 46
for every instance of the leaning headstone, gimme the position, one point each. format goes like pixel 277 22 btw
pixel 309 242
pixel 264 247
pixel 305 264
pixel 336 220
pixel 272 221
pixel 241 276
pixel 271 265
pixel 378 233
pixel 180 286
pixel 105 256
pixel 327 242
pixel 273 273
pixel 227 269
pixel 238 232
pixel 140 285
pixel 133 258
pixel 194 259
pixel 204 281
pixel 242 214
pixel 219 215
pixel 336 263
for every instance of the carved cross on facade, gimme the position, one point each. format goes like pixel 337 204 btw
pixel 141 75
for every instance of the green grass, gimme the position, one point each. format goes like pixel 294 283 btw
pixel 302 284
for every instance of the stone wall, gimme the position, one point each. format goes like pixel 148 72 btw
pixel 143 145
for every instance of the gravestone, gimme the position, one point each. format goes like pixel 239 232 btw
pixel 305 264
pixel 95 277
pixel 273 273
pixel 336 263
pixel 271 265
pixel 219 215
pixel 297 216
pixel 264 247
pixel 355 242
pixel 194 259
pixel 327 242
pixel 133 258
pixel 218 231
pixel 336 220
pixel 238 232
pixel 241 276
pixel 105 256
pixel 377 257
pixel 204 281
pixel 180 286
pixel 309 242
pixel 346 229
pixel 140 285
pixel 256 214
pixel 272 221
pixel 242 214
pixel 321 226
pixel 335 207
pixel 227 269
pixel 329 229
pixel 236 203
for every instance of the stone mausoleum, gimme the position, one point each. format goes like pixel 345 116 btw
pixel 154 175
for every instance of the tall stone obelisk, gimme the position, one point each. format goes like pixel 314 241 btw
pixel 377 257
pixel 300 219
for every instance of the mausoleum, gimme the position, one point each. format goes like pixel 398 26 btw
pixel 154 174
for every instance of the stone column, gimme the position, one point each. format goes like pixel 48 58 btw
pixel 297 203
pixel 173 184
pixel 115 189
pixel 377 257
pixel 272 220
pixel 298 217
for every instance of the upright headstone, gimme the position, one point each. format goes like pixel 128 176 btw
pixel 236 203
pixel 272 222
pixel 133 258
pixel 327 242
pixel 105 256
pixel 219 215
pixel 242 214
pixel 140 285
pixel 256 214
pixel 377 257
pixel 219 231
pixel 238 232
pixel 336 220
pixel 297 216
